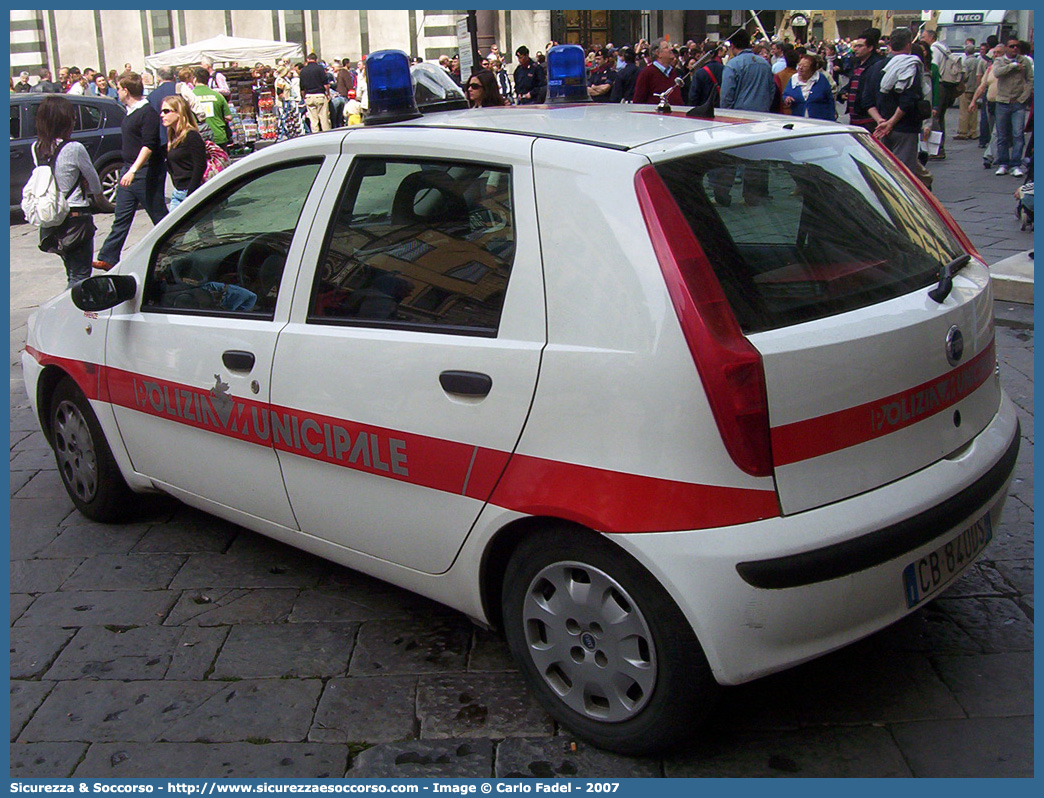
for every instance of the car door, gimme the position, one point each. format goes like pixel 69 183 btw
pixel 411 356
pixel 188 372
pixel 21 157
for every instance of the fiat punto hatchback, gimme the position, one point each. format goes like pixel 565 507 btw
pixel 673 402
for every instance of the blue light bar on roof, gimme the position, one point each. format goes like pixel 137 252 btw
pixel 390 88
pixel 566 74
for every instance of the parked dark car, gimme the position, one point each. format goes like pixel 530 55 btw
pixel 97 128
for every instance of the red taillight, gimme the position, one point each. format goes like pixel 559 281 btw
pixel 944 214
pixel 728 365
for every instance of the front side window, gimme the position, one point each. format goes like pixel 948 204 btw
pixel 227 256
pixel 809 227
pixel 418 244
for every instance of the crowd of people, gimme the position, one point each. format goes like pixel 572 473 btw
pixel 898 87
pixel 71 80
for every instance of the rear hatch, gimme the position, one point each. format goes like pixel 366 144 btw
pixel 826 252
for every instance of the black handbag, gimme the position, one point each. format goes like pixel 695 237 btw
pixel 74 232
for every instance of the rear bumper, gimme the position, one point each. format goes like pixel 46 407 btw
pixel 868 551
pixel 769 595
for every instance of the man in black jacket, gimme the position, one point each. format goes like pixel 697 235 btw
pixel 142 180
pixel 530 79
pixel 706 81
pixel 895 110
pixel 626 77
pixel 864 48
pixel 165 89
pixel 46 85
pixel 600 82
pixel 315 90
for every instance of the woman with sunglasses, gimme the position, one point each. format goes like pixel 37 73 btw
pixel 482 90
pixel 186 152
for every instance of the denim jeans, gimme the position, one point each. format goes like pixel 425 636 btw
pixel 178 196
pixel 337 109
pixel 233 297
pixel 78 262
pixel 146 190
pixel 1011 137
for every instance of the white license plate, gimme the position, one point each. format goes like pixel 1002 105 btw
pixel 925 577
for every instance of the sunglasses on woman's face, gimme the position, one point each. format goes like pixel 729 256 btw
pixel 474 85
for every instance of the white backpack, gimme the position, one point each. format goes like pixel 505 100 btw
pixel 42 203
pixel 950 70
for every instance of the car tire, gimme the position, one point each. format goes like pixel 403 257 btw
pixel 109 174
pixel 85 462
pixel 604 647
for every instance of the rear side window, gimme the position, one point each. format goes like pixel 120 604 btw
pixel 418 245
pixel 90 117
pixel 806 228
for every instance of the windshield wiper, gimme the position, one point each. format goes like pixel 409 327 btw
pixel 942 290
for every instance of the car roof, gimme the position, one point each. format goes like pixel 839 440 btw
pixel 612 125
pixel 37 96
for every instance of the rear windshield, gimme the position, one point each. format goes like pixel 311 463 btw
pixel 809 227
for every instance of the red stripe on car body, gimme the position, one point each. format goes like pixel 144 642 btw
pixel 815 437
pixel 613 501
pixel 87 376
pixel 608 501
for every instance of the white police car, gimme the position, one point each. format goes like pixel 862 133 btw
pixel 673 402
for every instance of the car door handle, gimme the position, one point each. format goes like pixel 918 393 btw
pixel 235 360
pixel 466 383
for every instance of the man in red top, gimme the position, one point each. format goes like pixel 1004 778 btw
pixel 658 77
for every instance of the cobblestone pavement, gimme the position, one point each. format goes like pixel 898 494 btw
pixel 982 203
pixel 181 645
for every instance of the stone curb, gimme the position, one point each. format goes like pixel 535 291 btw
pixel 1013 278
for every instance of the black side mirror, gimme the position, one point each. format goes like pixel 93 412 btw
pixel 104 292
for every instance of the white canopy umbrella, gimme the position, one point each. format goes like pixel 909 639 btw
pixel 226 48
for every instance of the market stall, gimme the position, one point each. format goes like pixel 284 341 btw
pixel 225 49
pixel 248 95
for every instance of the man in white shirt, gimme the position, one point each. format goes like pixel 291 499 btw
pixel 217 81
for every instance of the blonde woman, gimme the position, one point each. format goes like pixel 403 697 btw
pixel 186 152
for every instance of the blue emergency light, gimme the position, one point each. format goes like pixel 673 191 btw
pixel 389 88
pixel 566 74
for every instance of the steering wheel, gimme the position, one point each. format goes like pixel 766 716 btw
pixel 261 263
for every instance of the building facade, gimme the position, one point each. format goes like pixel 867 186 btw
pixel 109 38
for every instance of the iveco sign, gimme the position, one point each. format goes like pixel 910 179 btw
pixel 967 19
